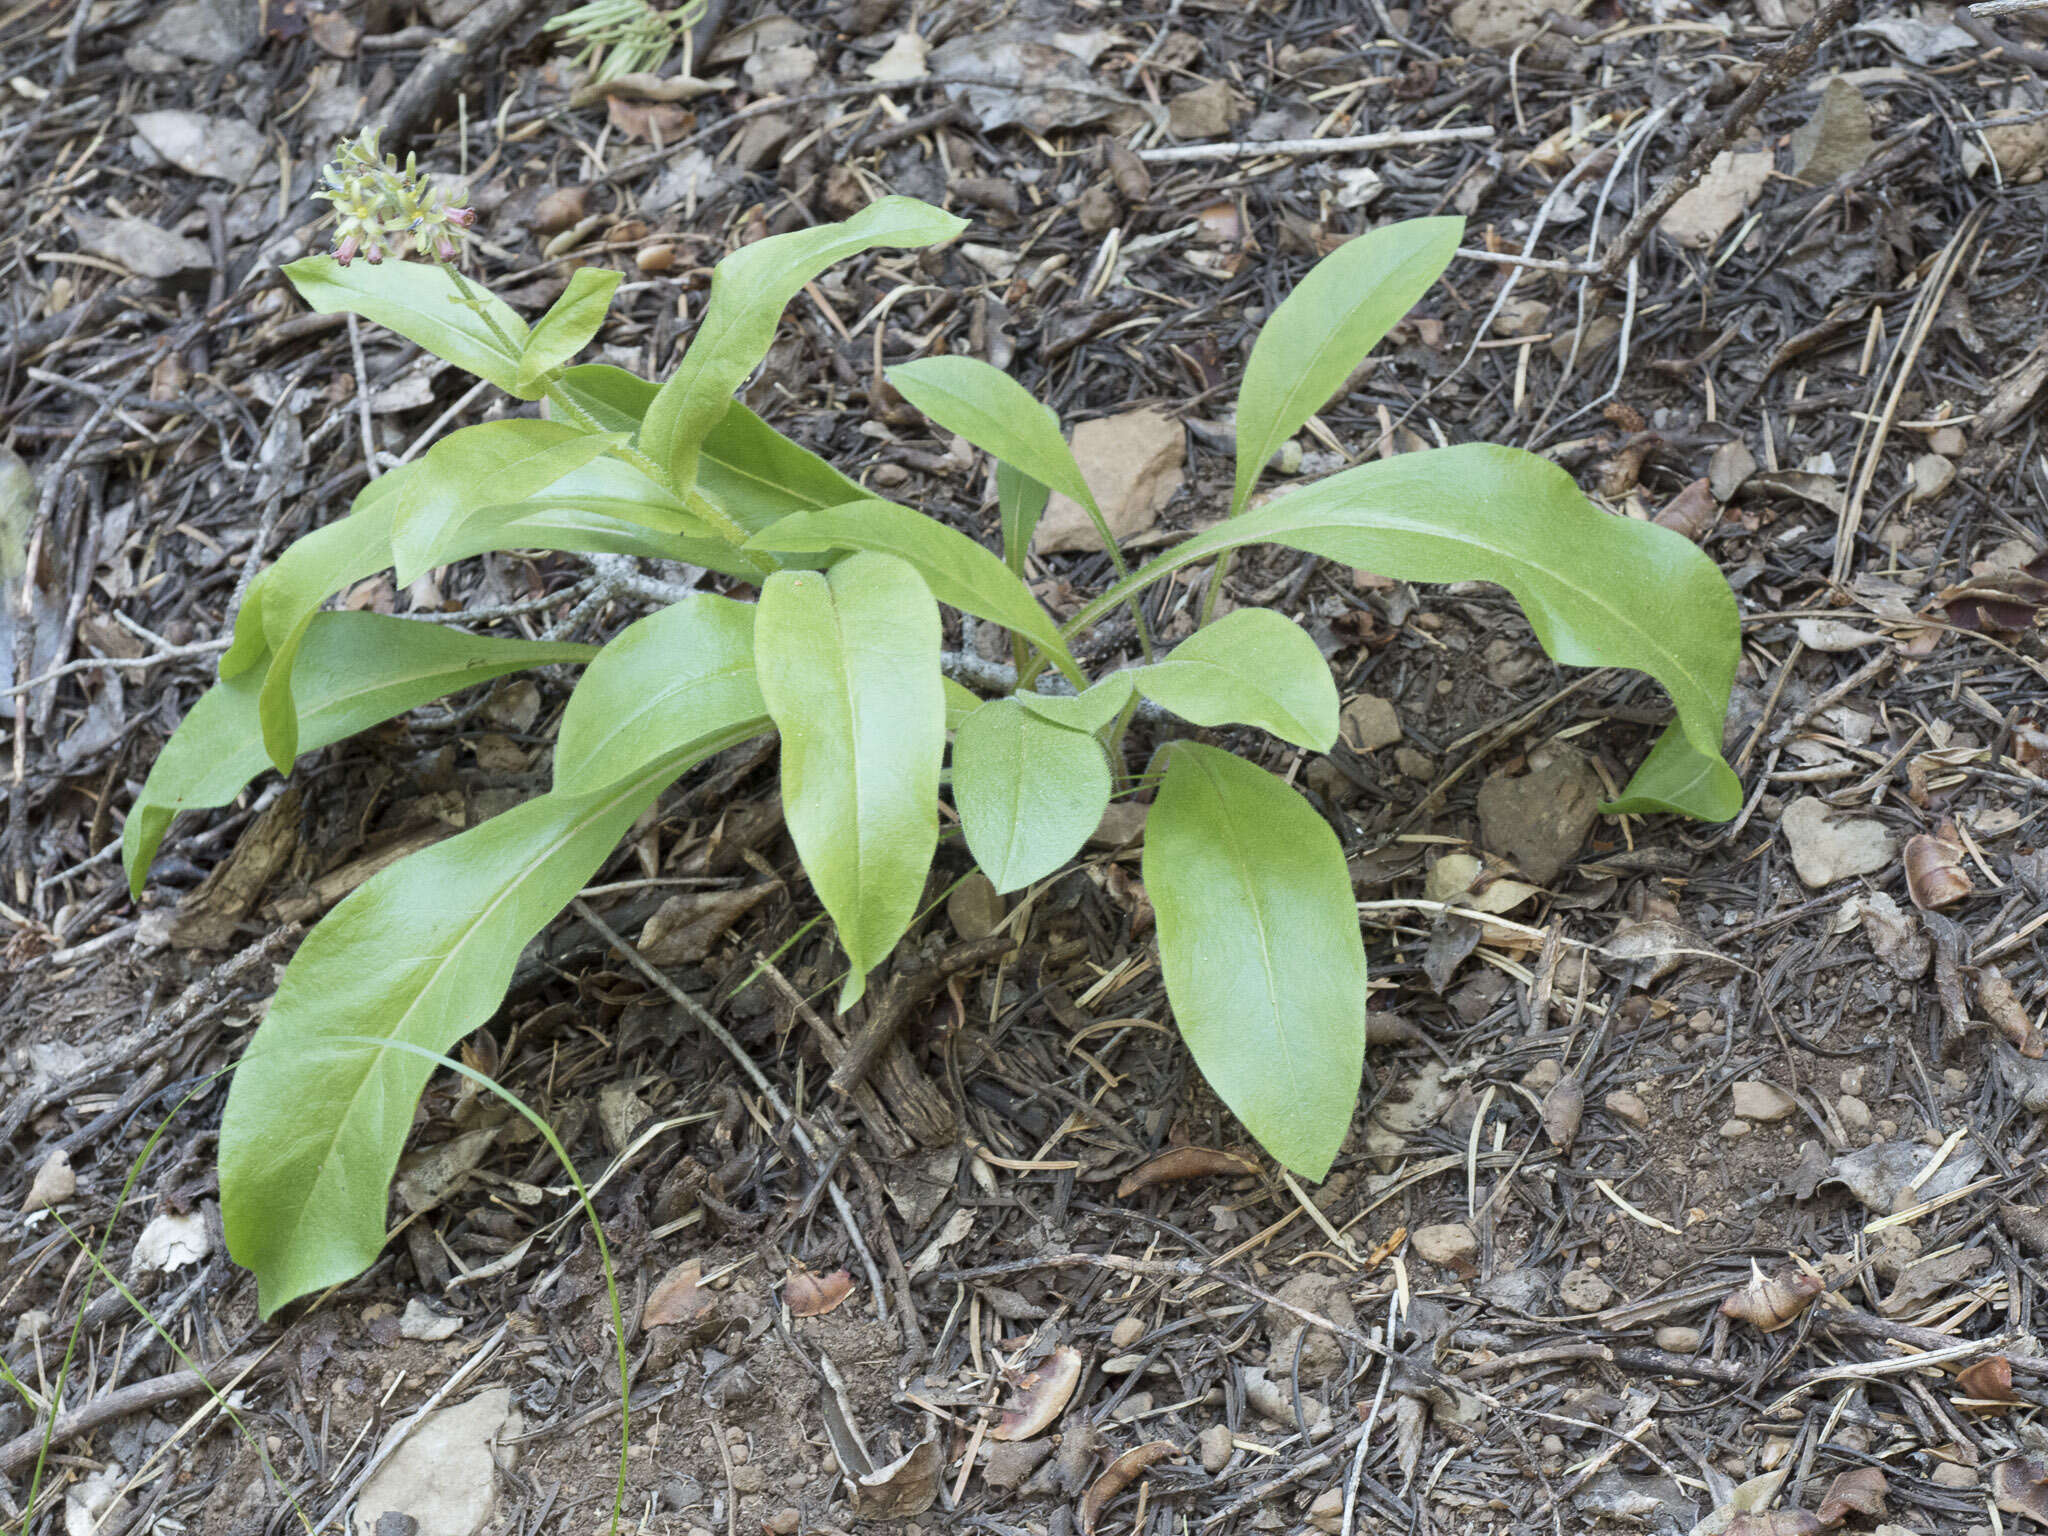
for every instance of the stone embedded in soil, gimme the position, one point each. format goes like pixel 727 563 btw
pixel 445 1475
pixel 1826 847
pixel 1322 1352
pixel 1132 462
pixel 1584 1291
pixel 1627 1106
pixel 1735 1130
pixel 1368 723
pixel 1448 1245
pixel 1680 1341
pixel 1216 1444
pixel 1011 1462
pixel 1766 1103
pixel 1854 1112
pixel 1128 1331
pixel 1540 818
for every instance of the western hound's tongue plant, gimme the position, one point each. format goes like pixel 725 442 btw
pixel 839 653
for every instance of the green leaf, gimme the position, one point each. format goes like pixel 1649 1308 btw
pixel 996 414
pixel 421 303
pixel 1259 945
pixel 849 664
pixel 568 325
pixel 354 670
pixel 1029 792
pixel 610 488
pixel 615 399
pixel 313 569
pixel 749 290
pixel 281 602
pixel 420 954
pixel 1325 327
pixel 754 474
pixel 1600 591
pixel 960 703
pixel 490 464
pixel 1090 710
pixel 959 572
pixel 665 680
pixel 1251 667
pixel 1021 501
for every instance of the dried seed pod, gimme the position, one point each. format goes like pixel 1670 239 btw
pixel 1779 1522
pixel 1041 1397
pixel 1184 1163
pixel 1986 1382
pixel 1768 1302
pixel 1563 1107
pixel 812 1295
pixel 1935 876
pixel 2020 1487
pixel 1118 1476
pixel 1859 1491
pixel 2002 1006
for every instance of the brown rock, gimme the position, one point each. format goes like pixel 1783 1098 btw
pixel 1540 818
pixel 1132 463
pixel 1011 1462
pixel 1206 112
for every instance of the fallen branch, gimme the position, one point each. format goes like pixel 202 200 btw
pixel 1254 148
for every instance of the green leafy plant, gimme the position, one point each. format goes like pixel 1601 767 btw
pixel 841 656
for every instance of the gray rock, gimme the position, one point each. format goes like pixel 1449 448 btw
pixel 138 245
pixel 1540 818
pixel 445 1475
pixel 211 31
pixel 1011 1462
pixel 1826 847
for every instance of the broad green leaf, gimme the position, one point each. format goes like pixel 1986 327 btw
pixel 312 569
pixel 615 399
pixel 421 302
pixel 1325 327
pixel 490 464
pixel 354 670
pixel 746 468
pixel 421 953
pixel 749 290
pixel 959 572
pixel 610 488
pixel 1089 710
pixel 996 414
pixel 960 703
pixel 1600 591
pixel 568 325
pixel 1029 792
pixel 1251 667
pixel 663 681
pixel 1021 501
pixel 323 563
pixel 1259 946
pixel 848 661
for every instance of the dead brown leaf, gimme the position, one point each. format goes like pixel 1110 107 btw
pixel 1041 1397
pixel 1935 873
pixel 907 1486
pixel 1858 1491
pixel 2020 1487
pixel 1185 1163
pixel 1768 1302
pixel 684 929
pixel 654 121
pixel 1118 1476
pixel 1987 1381
pixel 807 1294
pixel 678 1298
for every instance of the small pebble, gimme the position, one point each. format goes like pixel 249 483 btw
pixel 748 1479
pixel 1953 1474
pixel 1132 1408
pixel 655 258
pixel 1627 1106
pixel 1735 1130
pixel 1765 1103
pixel 786 1521
pixel 1215 1445
pixel 1553 1445
pixel 54 1183
pixel 1544 1076
pixel 1854 1112
pixel 1449 1245
pixel 1128 1331
pixel 1584 1291
pixel 1852 1080
pixel 1679 1341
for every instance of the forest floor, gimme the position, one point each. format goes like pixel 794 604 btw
pixel 1803 1082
